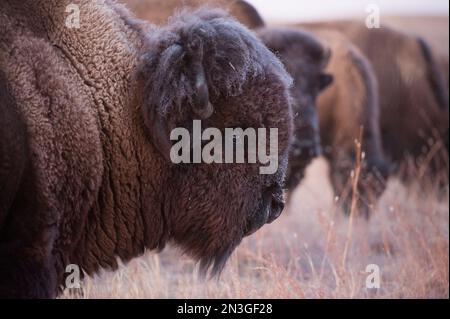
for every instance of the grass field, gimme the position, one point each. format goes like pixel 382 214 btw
pixel 312 251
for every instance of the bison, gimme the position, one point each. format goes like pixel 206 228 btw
pixel 85 177
pixel 344 106
pixel 349 112
pixel 306 59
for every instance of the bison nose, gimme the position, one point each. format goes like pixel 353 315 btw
pixel 271 207
pixel 276 209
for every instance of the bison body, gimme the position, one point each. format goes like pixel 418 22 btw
pixel 349 113
pixel 306 59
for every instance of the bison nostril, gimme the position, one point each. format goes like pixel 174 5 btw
pixel 276 209
pixel 271 207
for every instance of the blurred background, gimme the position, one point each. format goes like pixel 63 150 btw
pixel 293 10
pixel 427 18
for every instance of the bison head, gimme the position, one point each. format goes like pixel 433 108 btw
pixel 206 66
pixel 305 59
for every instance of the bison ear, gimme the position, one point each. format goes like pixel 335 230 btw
pixel 174 90
pixel 325 80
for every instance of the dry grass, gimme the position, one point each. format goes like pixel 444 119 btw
pixel 313 251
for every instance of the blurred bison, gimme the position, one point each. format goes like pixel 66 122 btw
pixel 349 112
pixel 305 59
pixel 413 93
pixel 86 116
pixel 347 105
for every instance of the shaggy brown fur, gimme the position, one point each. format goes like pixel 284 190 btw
pixel 413 93
pixel 83 179
pixel 158 11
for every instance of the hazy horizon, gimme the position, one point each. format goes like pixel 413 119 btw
pixel 295 10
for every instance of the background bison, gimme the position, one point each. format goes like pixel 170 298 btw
pixel 349 113
pixel 305 59
pixel 412 89
pixel 90 110
pixel 347 106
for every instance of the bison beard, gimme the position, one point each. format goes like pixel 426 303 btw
pixel 91 125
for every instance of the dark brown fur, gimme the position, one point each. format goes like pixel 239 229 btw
pixel 83 178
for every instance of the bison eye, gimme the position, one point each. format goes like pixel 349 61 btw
pixel 325 80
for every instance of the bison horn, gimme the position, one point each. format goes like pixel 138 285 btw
pixel 202 106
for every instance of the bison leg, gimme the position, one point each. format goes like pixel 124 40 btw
pixel 27 265
pixel 25 275
pixel 371 183
pixel 26 234
pixel 27 237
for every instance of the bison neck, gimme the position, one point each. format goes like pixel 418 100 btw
pixel 125 218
